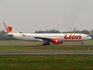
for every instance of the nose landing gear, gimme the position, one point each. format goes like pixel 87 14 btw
pixel 81 43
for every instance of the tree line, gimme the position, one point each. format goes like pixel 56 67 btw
pixel 77 31
pixel 4 37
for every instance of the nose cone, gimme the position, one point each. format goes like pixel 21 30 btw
pixel 88 37
pixel 91 38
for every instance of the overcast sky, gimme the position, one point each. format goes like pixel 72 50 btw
pixel 32 15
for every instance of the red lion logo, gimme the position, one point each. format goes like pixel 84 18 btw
pixel 9 29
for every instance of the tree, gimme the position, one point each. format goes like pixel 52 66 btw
pixel 4 37
pixel 3 32
pixel 85 32
pixel 73 31
pixel 48 31
pixel 91 31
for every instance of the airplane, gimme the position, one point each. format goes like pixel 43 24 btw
pixel 55 38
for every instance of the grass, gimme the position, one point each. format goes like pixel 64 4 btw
pixel 46 62
pixel 28 43
pixel 17 45
pixel 48 48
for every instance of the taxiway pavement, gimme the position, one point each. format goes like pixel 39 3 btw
pixel 46 52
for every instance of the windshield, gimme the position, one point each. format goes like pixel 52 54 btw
pixel 88 36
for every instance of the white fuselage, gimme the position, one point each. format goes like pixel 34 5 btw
pixel 63 37
pixel 54 38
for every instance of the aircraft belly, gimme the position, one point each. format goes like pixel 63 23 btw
pixel 73 40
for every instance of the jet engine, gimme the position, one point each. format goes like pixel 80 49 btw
pixel 57 41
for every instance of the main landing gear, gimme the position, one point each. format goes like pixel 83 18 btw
pixel 81 43
pixel 46 43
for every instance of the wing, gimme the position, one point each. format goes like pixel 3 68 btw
pixel 49 39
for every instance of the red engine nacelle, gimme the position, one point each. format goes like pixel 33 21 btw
pixel 57 41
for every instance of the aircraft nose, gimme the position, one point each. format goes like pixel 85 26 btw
pixel 91 38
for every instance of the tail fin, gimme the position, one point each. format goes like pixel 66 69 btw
pixel 9 28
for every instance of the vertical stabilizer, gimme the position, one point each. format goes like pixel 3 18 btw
pixel 9 28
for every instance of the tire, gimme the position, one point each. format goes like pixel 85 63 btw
pixel 46 43
pixel 82 43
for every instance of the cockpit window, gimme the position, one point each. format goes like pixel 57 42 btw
pixel 88 36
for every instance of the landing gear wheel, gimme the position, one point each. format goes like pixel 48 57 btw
pixel 82 43
pixel 46 43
